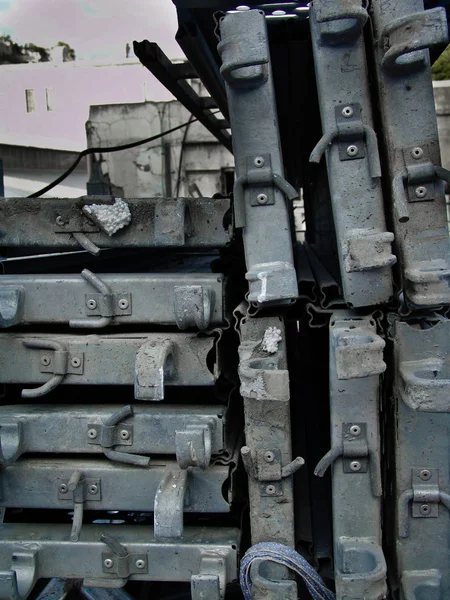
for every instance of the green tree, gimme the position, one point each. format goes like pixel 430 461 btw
pixel 441 68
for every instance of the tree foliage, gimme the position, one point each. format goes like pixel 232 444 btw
pixel 441 68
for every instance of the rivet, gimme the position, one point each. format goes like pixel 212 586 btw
pixel 347 112
pixel 63 488
pixel 75 362
pixel 262 198
pixel 124 434
pixel 93 489
pixel 140 564
pixel 60 221
pixel 417 152
pixel 270 489
pixel 425 509
pixel 421 191
pixel 425 474
pixel 355 430
pixel 269 457
pixel 352 150
pixel 91 303
pixel 45 360
pixel 92 433
pixel 355 466
pixel 258 162
pixel 108 563
pixel 123 303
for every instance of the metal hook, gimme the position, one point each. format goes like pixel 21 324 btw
pixel 57 378
pixel 105 290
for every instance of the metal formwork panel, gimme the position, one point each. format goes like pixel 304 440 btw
pixel 350 145
pixel 261 194
pixel 141 430
pixel 402 33
pixel 356 362
pixel 30 552
pixel 44 483
pixel 149 361
pixel 183 300
pixel 155 222
pixel 422 459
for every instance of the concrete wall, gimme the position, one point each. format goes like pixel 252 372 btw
pixel 442 102
pixel 152 169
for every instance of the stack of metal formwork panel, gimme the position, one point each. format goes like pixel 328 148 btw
pixel 110 404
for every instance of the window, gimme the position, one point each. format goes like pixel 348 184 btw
pixel 50 99
pixel 29 99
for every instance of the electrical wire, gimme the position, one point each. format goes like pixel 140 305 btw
pixel 104 150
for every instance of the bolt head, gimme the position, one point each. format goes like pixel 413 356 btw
pixel 91 304
pixel 269 457
pixel 425 474
pixel 262 199
pixel 123 303
pixel 352 150
pixel 425 509
pixel 93 489
pixel 124 434
pixel 140 564
pixel 421 191
pixel 258 162
pixel 108 563
pixel 60 221
pixel 75 362
pixel 63 488
pixel 347 112
pixel 92 433
pixel 417 153
pixel 355 466
pixel 45 360
pixel 355 430
pixel 270 489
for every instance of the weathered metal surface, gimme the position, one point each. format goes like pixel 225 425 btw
pixel 422 449
pixel 141 298
pixel 261 195
pixel 400 32
pixel 350 145
pixel 102 360
pixel 79 429
pixel 49 553
pixel 38 483
pixel 159 222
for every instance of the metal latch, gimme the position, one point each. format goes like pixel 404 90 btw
pixel 60 363
pixel 264 465
pixel 78 490
pixel 424 496
pixel 356 454
pixel 113 432
pixel 351 133
pixel 119 561
pixel 351 12
pixel 192 305
pixel 193 445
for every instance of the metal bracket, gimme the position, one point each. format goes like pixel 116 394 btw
pixel 192 305
pixel 210 583
pixel 193 445
pixel 350 132
pixel 425 496
pixel 12 300
pixel 60 364
pixel 170 499
pixel 114 432
pixel 154 363
pixel 11 441
pixel 18 582
pixel 78 490
pixel 119 561
pixel 358 351
pixel 356 454
pixel 264 465
pixel 329 11
pixel 404 36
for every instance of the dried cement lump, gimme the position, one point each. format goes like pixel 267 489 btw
pixel 109 217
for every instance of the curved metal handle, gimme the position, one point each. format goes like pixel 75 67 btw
pixel 124 457
pixel 105 290
pixel 57 379
pixel 86 243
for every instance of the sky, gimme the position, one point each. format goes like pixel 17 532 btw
pixel 96 29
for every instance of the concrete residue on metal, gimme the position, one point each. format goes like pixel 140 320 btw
pixel 109 217
pixel 272 336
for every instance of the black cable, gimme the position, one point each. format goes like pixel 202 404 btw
pixel 180 162
pixel 99 150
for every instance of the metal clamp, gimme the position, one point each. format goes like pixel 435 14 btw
pixel 409 34
pixel 119 561
pixel 170 499
pixel 261 178
pixel 327 11
pixel 17 583
pixel 11 305
pixel 109 434
pixel 60 364
pixel 210 583
pixel 356 453
pixel 106 304
pixel 350 131
pixel 154 363
pixel 192 305
pixel 193 445
pixel 79 490
pixel 425 496
pixel 11 441
pixel 264 465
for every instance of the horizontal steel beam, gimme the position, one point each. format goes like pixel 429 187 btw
pixel 183 300
pixel 37 483
pixel 155 222
pixel 146 430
